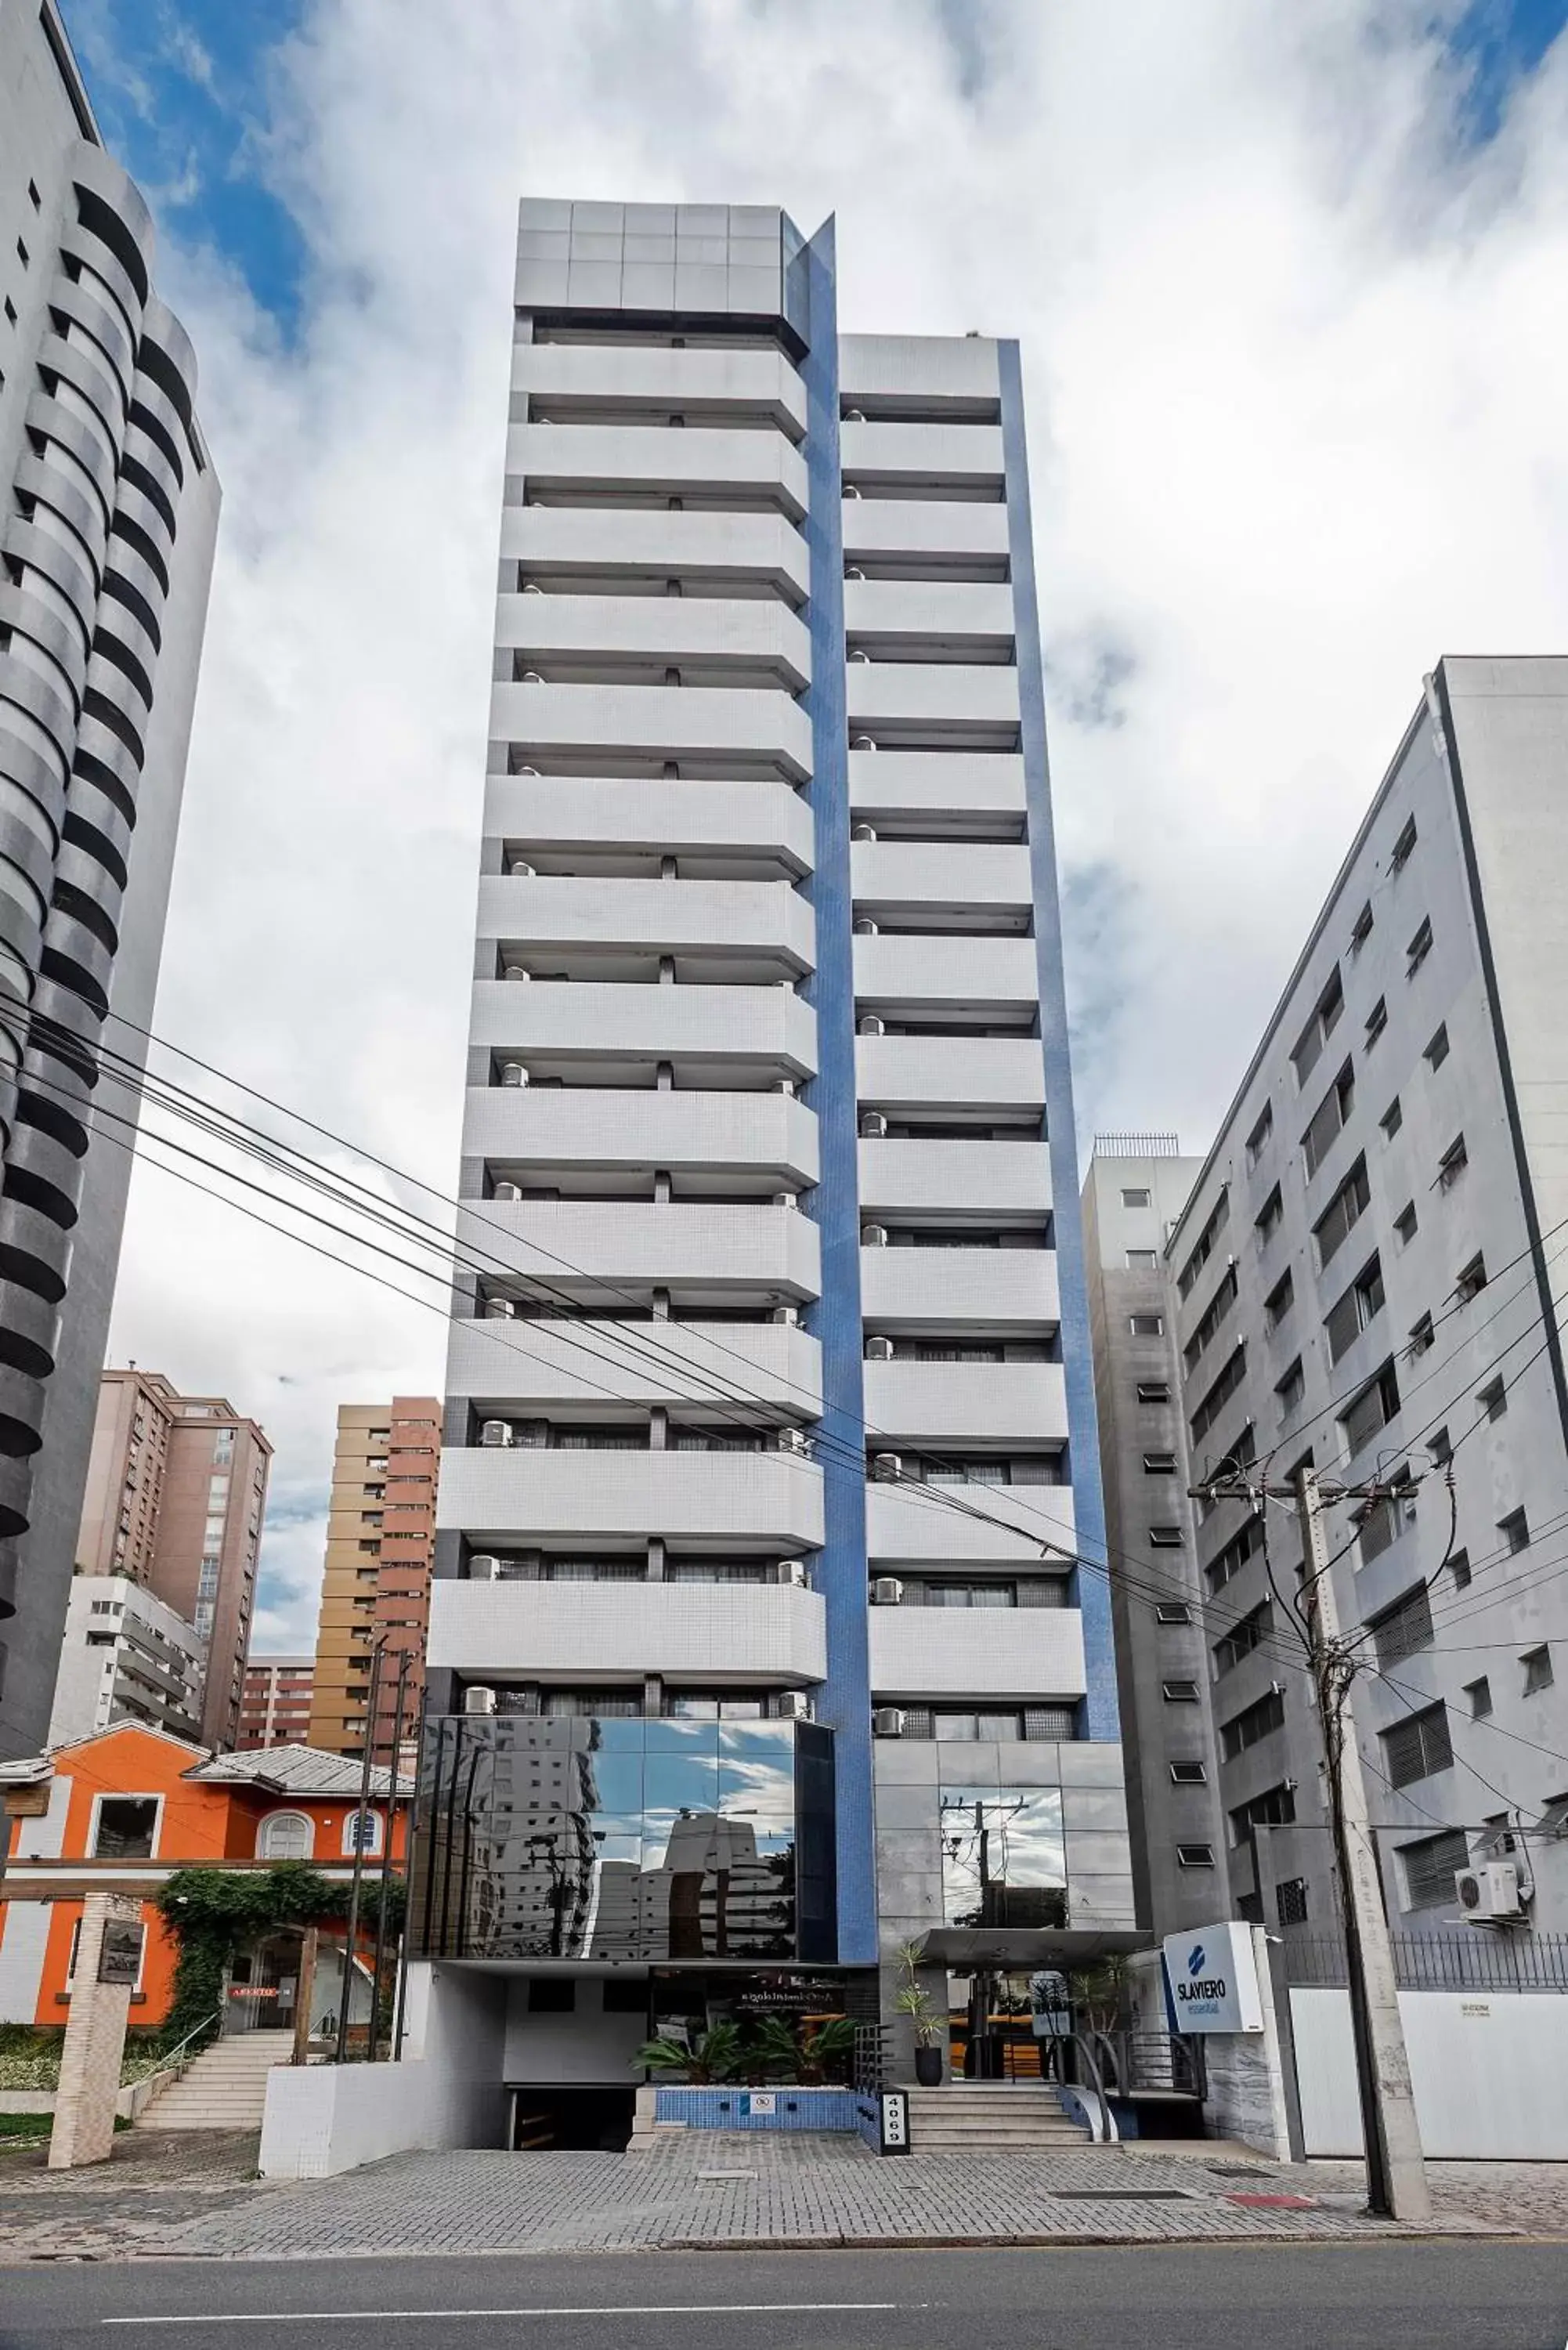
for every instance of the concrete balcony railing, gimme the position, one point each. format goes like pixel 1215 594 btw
pixel 939 1405
pixel 946 969
pixel 943 1652
pixel 583 1245
pixel 882 452
pixel 966 1177
pixel 742 1133
pixel 920 782
pixel 653 457
pixel 1004 1072
pixel 655 815
pixel 508 1498
pixel 941 873
pixel 741 1369
pixel 549 911
pixel 938 611
pixel 762 382
pixel 911 1287
pixel 757 633
pixel 570 540
pixel 948 694
pixel 697 1631
pixel 924 526
pixel 653 722
pixel 771 1025
pixel 912 1526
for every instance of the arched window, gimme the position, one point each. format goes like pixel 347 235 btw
pixel 287 1835
pixel 362 1833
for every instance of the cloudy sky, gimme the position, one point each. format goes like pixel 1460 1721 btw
pixel 1290 287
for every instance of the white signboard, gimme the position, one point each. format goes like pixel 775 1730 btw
pixel 1213 1979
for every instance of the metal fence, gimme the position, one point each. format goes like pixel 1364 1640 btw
pixel 1478 1959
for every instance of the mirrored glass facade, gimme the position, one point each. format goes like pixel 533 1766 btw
pixel 1004 1857
pixel 602 1837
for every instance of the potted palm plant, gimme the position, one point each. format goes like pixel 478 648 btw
pixel 912 2000
pixel 713 2057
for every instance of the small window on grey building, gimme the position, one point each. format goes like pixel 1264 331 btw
pixel 1147 1326
pixel 1257 1141
pixel 1401 858
pixel 1195 1856
pixel 1153 1391
pixel 1515 1531
pixel 1417 1747
pixel 1422 1337
pixel 1538 1676
pixel 1142 1260
pixel 1291 1901
pixel 1493 1398
pixel 1165 1538
pixel 1430 1867
pixel 1470 1280
pixel 1480 1695
pixel 1362 930
pixel 1376 1021
pixel 1405 1225
pixel 1452 1163
pixel 1436 1052
pixel 1160 1464
pixel 1291 1389
pixel 1392 1119
pixel 1189 1772
pixel 1270 1217
pixel 1135 1198
pixel 1401 1630
pixel 1460 1568
pixel 1172 1611
pixel 1280 1300
pixel 1180 1692
pixel 1420 948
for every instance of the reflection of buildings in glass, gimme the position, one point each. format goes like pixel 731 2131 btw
pixel 1003 1857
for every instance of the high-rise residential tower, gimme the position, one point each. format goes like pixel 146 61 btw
pixel 274 1703
pixel 108 507
pixel 757 1639
pixel 176 1493
pixel 380 1531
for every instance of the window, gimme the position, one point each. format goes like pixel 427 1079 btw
pixel 1361 930
pixel 1165 1538
pixel 1361 1305
pixel 34 198
pixel 1291 1901
pixel 1278 1300
pixel 1135 1198
pixel 1460 1568
pixel 1243 1637
pixel 1268 1218
pixel 1189 1773
pixel 1329 1117
pixel 1538 1676
pixel 1392 1119
pixel 1195 1856
pixel 1452 1163
pixel 287 1835
pixel 1405 1225
pixel 1342 1214
pixel 1373 1408
pixel 1420 948
pixel 1257 1141
pixel 1515 1531
pixel 22 252
pixel 1172 1611
pixel 1376 1021
pixel 1403 1628
pixel 1180 1692
pixel 1417 1747
pixel 1253 1723
pixel 1141 1260
pixel 1153 1391
pixel 1436 1052
pixel 1228 1564
pixel 1493 1399
pixel 1480 1695
pixel 1401 858
pixel 1147 1326
pixel 1218 1307
pixel 971 1595
pixel 1432 1866
pixel 1160 1464
pixel 362 1832
pixel 126 1827
pixel 1291 1390
pixel 1471 1280
pixel 1319 1028
pixel 1203 1247
pixel 1274 1808
pixel 1219 1394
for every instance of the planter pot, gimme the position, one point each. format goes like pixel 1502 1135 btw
pixel 928 2067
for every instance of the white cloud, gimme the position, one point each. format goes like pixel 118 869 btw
pixel 1297 370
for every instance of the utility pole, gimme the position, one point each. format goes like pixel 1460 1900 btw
pixel 1396 2176
pixel 357 1881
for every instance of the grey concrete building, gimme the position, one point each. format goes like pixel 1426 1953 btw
pixel 1367 1277
pixel 1134 1193
pixel 108 512
pixel 126 1656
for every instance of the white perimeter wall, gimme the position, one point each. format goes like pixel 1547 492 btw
pixel 1490 2071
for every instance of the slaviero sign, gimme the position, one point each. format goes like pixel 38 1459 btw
pixel 1211 1976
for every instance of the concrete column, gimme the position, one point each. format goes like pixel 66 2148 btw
pixel 94 2042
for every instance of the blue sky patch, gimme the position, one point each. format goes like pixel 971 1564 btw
pixel 1500 43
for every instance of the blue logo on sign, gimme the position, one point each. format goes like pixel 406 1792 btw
pixel 1196 1960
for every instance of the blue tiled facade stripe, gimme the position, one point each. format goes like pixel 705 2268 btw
pixel 845 1701
pixel 1091 1592
pixel 793 2109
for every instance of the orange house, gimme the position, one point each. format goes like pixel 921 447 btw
pixel 122 1811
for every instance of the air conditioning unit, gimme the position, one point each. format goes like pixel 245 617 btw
pixel 865 928
pixel 515 970
pixel 495 1431
pixel 533 588
pixel 879 1350
pixel 530 677
pixel 478 1700
pixel 862 831
pixel 793 1439
pixel 1490 1891
pixel 784 1199
pixel 788 1317
pixel 887 1722
pixel 871 1026
pixel 498 1309
pixel 513 1073
pixel 873 1125
pixel 528 771
pixel 520 870
pixel 784 1086
pixel 483 1568
pixel 887 1591
pixel 886 1467
pixel 873 1235
pixel 793 1705
pixel 508 1192
pixel 862 741
pixel 792 1571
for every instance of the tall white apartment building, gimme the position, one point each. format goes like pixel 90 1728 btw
pixel 108 508
pixel 1368 1279
pixel 769 1438
pixel 126 1656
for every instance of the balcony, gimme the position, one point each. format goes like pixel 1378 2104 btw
pixel 501 1497
pixel 915 526
pixel 940 1652
pixel 653 723
pixel 941 1404
pixel 708 1134
pixel 649 816
pixel 761 383
pixel 912 1288
pixel 549 911
pixel 944 613
pixel 579 1245
pixel 757 635
pixel 579 459
pixel 950 697
pixel 962 1178
pixel 771 1025
pixel 691 1631
pixel 911 1524
pixel 981 1072
pixel 946 969
pixel 744 1369
pixel 573 541
pixel 889 451
pixel 941 873
pixel 942 783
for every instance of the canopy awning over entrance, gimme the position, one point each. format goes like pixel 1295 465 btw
pixel 1024 1949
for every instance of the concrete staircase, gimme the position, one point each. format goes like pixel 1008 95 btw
pixel 991 2118
pixel 226 2088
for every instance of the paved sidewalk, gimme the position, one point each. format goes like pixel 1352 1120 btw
pixel 153 2184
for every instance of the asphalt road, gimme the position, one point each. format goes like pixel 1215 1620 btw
pixel 1452 2295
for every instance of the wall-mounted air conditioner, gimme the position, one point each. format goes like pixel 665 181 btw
pixel 477 1699
pixel 508 1192
pixel 879 1350
pixel 513 1073
pixel 784 1086
pixel 514 970
pixel 498 1309
pixel 793 1705
pixel 865 928
pixel 520 870
pixel 886 1467
pixel 787 1316
pixel 1490 1891
pixel 871 1026
pixel 791 1571
pixel 873 1125
pixel 483 1568
pixel 887 1591
pixel 862 832
pixel 873 1235
pixel 495 1431
pixel 887 1722
pixel 791 1440
pixel 784 1199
